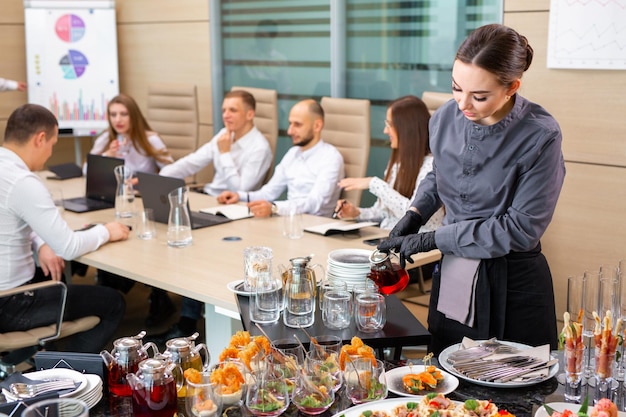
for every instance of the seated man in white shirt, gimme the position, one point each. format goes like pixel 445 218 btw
pixel 239 152
pixel 30 223
pixel 309 171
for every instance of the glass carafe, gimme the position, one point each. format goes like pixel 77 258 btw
pixel 125 195
pixel 179 222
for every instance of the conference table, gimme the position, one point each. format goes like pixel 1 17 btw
pixel 203 270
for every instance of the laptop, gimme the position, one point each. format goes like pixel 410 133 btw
pixel 154 191
pixel 101 186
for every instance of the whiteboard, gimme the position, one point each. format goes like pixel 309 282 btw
pixel 71 60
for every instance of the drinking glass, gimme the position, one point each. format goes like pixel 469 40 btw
pixel 292 222
pixel 574 347
pixel 266 299
pixel 371 312
pixel 291 346
pixel 62 407
pixel 365 380
pixel 590 304
pixel 325 368
pixel 146 228
pixel 337 312
pixel 201 398
pixel 313 395
pixel 256 260
pixel 606 342
pixel 267 395
pixel 327 285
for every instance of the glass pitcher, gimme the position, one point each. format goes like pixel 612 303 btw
pixel 125 195
pixel 179 222
pixel 299 292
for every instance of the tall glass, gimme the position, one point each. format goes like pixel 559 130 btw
pixel 590 304
pixel 606 340
pixel 572 332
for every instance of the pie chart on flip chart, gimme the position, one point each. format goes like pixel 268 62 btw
pixel 73 64
pixel 70 28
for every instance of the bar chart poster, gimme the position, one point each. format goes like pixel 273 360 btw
pixel 587 34
pixel 72 66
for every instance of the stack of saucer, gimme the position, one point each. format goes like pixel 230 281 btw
pixel 349 265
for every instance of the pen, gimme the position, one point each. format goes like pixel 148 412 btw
pixel 338 210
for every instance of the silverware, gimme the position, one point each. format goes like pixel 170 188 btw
pixel 484 349
pixel 514 375
pixel 22 390
pixel 498 369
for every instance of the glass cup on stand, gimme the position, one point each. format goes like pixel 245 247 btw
pixel 573 353
pixel 606 342
pixel 365 380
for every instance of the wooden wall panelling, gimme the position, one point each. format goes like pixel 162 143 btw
pixel 588 228
pixel 12 11
pixel 588 104
pixel 12 66
pixel 162 11
pixel 526 5
pixel 165 52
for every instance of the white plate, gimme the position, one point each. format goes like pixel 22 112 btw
pixel 237 287
pixel 381 405
pixel 56 373
pixel 541 412
pixel 394 381
pixel 350 257
pixel 443 362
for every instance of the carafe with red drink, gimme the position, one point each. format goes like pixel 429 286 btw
pixel 386 272
pixel 154 387
pixel 125 357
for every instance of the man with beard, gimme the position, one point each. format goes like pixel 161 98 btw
pixel 309 171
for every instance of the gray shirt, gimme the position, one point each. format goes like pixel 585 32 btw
pixel 499 184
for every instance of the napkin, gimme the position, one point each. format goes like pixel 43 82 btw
pixel 457 288
pixel 542 352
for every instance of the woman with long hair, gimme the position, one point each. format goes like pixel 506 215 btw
pixel 406 125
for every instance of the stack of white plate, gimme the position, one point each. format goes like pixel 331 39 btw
pixel 349 265
pixel 88 386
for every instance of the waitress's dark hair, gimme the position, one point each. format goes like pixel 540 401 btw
pixel 497 49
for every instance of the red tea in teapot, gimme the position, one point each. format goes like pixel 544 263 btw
pixel 387 273
pixel 117 379
pixel 155 401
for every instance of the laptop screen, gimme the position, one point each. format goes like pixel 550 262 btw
pixel 101 182
pixel 154 190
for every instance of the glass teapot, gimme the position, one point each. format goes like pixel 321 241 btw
pixel 154 387
pixel 300 288
pixel 125 357
pixel 186 353
pixel 386 272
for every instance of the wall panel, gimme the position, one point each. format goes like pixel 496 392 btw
pixel 12 66
pixel 587 103
pixel 12 12
pixel 162 11
pixel 587 230
pixel 526 5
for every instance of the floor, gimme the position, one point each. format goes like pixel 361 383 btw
pixel 137 310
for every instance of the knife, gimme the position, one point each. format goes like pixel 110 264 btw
pixel 532 368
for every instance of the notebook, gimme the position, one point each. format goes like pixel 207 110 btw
pixel 101 186
pixel 154 190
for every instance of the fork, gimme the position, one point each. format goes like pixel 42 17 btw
pixel 23 390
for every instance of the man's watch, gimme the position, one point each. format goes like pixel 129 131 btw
pixel 274 209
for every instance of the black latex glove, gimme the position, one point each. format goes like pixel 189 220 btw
pixel 409 245
pixel 409 223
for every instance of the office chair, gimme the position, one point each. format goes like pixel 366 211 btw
pixel 347 127
pixel 19 346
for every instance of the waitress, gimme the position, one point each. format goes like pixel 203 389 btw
pixel 498 172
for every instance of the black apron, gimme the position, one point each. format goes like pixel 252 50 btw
pixel 514 302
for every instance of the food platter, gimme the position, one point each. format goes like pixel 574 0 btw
pixel 560 407
pixel 443 362
pixel 387 405
pixel 394 381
